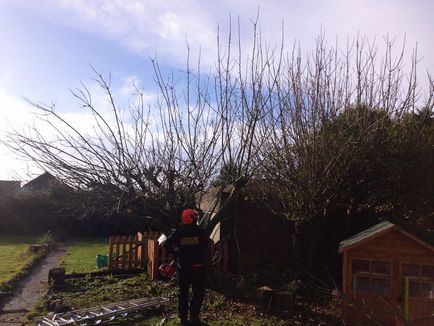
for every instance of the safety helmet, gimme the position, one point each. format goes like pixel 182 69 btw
pixel 167 270
pixel 188 216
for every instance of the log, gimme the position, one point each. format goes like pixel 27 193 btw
pixel 283 300
pixel 265 295
pixel 56 276
pixel 5 294
pixel 37 248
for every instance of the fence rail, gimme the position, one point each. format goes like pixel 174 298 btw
pixel 142 251
pixel 127 252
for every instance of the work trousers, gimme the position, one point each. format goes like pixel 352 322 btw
pixel 194 277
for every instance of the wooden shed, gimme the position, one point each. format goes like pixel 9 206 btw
pixel 257 239
pixel 376 263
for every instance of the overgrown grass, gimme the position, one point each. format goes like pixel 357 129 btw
pixel 14 256
pixel 81 254
pixel 230 307
pixel 217 309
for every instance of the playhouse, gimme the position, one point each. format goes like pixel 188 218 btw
pixel 387 276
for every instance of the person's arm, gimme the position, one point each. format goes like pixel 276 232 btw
pixel 171 244
pixel 205 246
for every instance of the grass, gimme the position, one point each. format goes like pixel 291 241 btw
pixel 217 309
pixel 81 254
pixel 227 307
pixel 14 256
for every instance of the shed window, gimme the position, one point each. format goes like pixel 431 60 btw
pixel 371 276
pixel 421 280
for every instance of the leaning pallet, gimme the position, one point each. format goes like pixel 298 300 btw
pixel 96 315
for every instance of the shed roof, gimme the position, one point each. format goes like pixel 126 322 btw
pixel 375 231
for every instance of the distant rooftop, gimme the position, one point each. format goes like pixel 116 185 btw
pixel 9 186
pixel 45 180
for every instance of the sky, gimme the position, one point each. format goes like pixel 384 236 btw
pixel 48 47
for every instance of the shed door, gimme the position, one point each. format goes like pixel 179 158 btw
pixel 421 292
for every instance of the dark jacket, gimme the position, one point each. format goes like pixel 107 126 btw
pixel 189 244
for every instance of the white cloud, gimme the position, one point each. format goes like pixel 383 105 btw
pixel 170 26
pixel 17 114
pixel 144 27
pixel 147 27
pixel 130 85
pixel 14 114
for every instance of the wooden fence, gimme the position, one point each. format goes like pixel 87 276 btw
pixel 129 252
pixel 158 255
pixel 142 251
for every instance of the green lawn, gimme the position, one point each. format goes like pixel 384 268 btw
pixel 81 254
pixel 218 310
pixel 14 255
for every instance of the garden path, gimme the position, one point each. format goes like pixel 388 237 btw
pixel 29 290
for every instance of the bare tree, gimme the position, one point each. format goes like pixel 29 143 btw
pixel 336 125
pixel 155 161
pixel 262 117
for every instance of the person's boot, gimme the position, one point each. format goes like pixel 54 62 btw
pixel 183 321
pixel 195 320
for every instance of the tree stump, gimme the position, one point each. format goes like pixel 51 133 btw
pixel 37 248
pixel 283 300
pixel 5 294
pixel 265 295
pixel 55 305
pixel 56 276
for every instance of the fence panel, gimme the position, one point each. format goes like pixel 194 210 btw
pixel 127 252
pixel 143 251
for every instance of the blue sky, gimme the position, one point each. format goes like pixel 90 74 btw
pixel 48 45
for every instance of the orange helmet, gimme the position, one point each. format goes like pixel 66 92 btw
pixel 188 216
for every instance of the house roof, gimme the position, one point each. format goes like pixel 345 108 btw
pixel 42 181
pixel 375 231
pixel 9 186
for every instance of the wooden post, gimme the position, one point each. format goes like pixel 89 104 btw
pixel 151 256
pixel 110 257
pixel 406 295
pixel 156 251
pixel 136 257
pixel 118 239
pixel 124 251
pixel 130 252
pixel 139 248
pixel 135 244
pixel 144 252
pixel 152 259
pixel 141 254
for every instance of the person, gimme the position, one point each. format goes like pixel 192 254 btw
pixel 189 245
